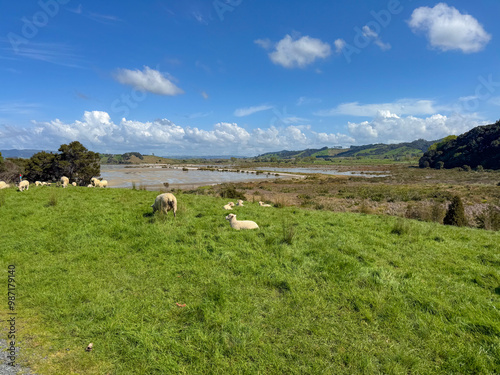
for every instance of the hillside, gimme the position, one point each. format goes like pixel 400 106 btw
pixel 479 147
pixel 310 292
pixel 377 151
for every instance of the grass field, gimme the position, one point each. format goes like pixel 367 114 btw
pixel 310 292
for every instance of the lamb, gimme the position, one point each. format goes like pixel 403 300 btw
pixel 73 183
pixel 242 224
pixel 229 206
pixel 64 181
pixel 38 183
pixel 24 185
pixel 4 185
pixel 164 203
pixel 262 204
pixel 239 203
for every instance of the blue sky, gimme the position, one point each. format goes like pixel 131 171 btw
pixel 241 77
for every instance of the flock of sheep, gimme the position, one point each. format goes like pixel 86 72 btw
pixel 167 202
pixel 25 184
pixel 163 203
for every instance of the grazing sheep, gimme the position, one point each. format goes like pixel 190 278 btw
pixel 262 204
pixel 24 185
pixel 164 203
pixel 38 183
pixel 239 203
pixel 242 224
pixel 4 185
pixel 229 206
pixel 95 181
pixel 73 183
pixel 64 181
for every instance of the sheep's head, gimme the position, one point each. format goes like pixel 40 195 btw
pixel 230 216
pixel 231 203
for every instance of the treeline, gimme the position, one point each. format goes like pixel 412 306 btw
pixel 478 148
pixel 120 159
pixel 73 161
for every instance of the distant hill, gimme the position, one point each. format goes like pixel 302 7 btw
pixel 375 151
pixel 478 147
pixel 24 154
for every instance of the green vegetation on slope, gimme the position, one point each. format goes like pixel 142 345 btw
pixel 479 147
pixel 309 292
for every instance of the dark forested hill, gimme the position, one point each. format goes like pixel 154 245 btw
pixel 478 147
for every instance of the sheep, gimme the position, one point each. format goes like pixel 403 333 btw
pixel 90 185
pixel 38 183
pixel 4 185
pixel 164 203
pixel 239 203
pixel 95 181
pixel 73 183
pixel 229 206
pixel 64 181
pixel 24 185
pixel 242 224
pixel 262 204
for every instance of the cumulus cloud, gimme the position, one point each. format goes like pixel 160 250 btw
pixel 388 127
pixel 400 107
pixel 241 112
pixel 147 80
pixel 448 29
pixel 301 52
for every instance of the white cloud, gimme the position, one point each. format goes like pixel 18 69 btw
pixel 369 33
pixel 264 43
pixel 241 112
pixel 291 53
pixel 147 80
pixel 387 127
pixel 400 107
pixel 448 29
pixel 339 45
pixel 304 100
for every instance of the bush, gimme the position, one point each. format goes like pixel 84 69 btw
pixel 489 219
pixel 455 215
pixel 229 191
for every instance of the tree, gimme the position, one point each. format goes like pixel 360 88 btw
pixel 456 213
pixel 77 163
pixel 2 164
pixel 42 167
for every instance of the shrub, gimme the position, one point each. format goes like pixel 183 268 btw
pixel 489 219
pixel 455 215
pixel 229 191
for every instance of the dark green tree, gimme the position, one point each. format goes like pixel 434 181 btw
pixel 42 167
pixel 77 163
pixel 455 215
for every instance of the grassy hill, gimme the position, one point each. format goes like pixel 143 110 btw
pixel 310 292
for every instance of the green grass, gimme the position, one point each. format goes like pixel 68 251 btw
pixel 310 292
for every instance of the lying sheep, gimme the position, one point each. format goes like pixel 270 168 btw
pixel 73 183
pixel 242 224
pixel 64 181
pixel 239 203
pixel 262 204
pixel 164 203
pixel 229 206
pixel 24 185
pixel 4 185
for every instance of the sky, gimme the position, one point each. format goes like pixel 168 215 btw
pixel 241 77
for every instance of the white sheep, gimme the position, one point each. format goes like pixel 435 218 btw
pixel 73 183
pixel 229 206
pixel 239 203
pixel 95 181
pixel 38 183
pixel 64 181
pixel 164 203
pixel 24 185
pixel 4 185
pixel 242 224
pixel 103 184
pixel 90 185
pixel 262 204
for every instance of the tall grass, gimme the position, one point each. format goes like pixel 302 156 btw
pixel 310 292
